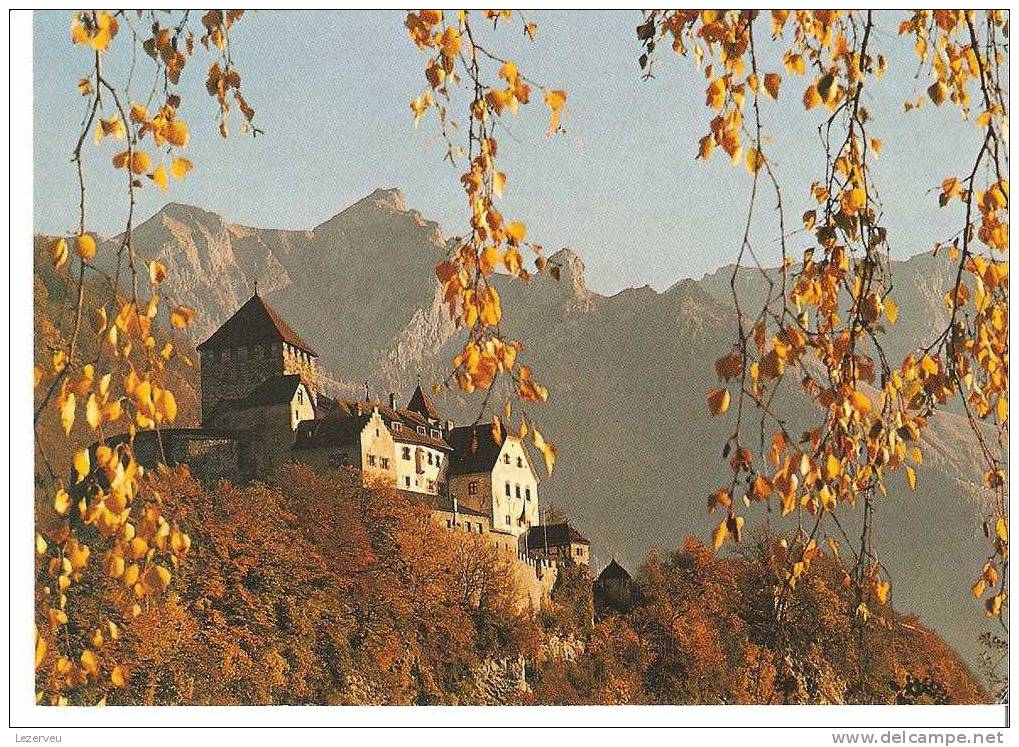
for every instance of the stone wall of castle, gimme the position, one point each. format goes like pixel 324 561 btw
pixel 208 457
pixel 233 373
pixel 473 491
pixel 271 436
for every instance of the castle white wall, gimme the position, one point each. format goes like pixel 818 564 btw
pixel 419 468
pixel 378 449
pixel 301 407
pixel 514 490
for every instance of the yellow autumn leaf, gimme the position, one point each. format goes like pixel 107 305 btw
pixel 59 252
pixel 911 477
pixel 811 98
pixel 119 676
pixel 891 310
pixel 61 502
pixel 718 401
pixel 180 167
pixel 67 408
pixel 498 183
pixel 861 402
pixel 881 589
pixel 140 162
pixel 92 415
pixel 85 245
pixel 89 662
pixel 772 81
pixel 168 404
pixel 832 467
pixel 177 133
pixel 40 649
pixel 516 231
pixel 720 533
pixel 714 95
pixel 81 463
pixel 556 100
pixel 159 177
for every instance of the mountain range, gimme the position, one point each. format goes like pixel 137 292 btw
pixel 627 375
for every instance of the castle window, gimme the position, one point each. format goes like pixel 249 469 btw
pixel 397 425
pixel 472 487
pixel 527 493
pixel 508 490
pixel 406 453
pixel 438 460
pixel 449 523
pixel 505 458
pixel 509 521
pixel 518 492
pixel 300 396
pixel 580 552
pixel 371 460
pixel 422 430
pixel 436 434
pixel 430 457
pixel 431 485
pixel 385 462
pixel 406 481
pixel 520 462
pixel 481 529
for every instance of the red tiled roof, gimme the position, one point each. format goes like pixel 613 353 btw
pixel 255 321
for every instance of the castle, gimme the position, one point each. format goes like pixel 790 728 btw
pixel 261 407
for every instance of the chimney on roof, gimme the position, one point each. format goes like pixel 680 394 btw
pixel 449 426
pixel 392 400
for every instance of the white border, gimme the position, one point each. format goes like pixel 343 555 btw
pixel 34 720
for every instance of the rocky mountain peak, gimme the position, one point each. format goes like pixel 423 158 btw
pixel 571 271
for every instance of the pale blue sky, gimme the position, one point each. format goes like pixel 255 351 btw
pixel 621 188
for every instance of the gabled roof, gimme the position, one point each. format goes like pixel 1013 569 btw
pixel 474 449
pixel 255 321
pixel 344 419
pixel 554 535
pixel 276 390
pixel 330 431
pixel 421 403
pixel 614 571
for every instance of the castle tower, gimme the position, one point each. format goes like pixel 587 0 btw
pixel 251 347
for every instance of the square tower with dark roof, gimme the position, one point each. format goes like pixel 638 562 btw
pixel 250 348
